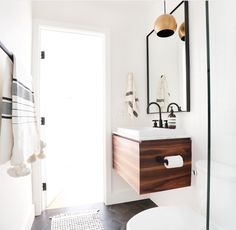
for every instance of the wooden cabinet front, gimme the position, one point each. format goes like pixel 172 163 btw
pixel 136 162
pixel 154 176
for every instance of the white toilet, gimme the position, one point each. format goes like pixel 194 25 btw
pixel 223 183
pixel 167 218
pixel 223 190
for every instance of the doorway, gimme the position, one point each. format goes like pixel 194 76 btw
pixel 72 71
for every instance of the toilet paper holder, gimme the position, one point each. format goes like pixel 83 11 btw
pixel 162 160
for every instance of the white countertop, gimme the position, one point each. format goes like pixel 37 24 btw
pixel 149 133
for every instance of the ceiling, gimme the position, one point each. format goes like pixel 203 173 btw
pixel 96 0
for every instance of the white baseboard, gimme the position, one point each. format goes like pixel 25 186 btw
pixel 126 195
pixel 30 218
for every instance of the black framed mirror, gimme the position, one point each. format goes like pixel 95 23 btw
pixel 168 65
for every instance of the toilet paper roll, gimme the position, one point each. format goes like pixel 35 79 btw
pixel 174 162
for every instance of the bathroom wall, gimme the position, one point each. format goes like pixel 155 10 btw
pixel 223 82
pixel 194 123
pixel 223 72
pixel 128 24
pixel 16 209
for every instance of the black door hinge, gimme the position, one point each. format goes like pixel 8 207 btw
pixel 42 120
pixel 44 186
pixel 42 54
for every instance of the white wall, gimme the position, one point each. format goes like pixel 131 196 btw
pixel 194 123
pixel 16 210
pixel 128 24
pixel 223 82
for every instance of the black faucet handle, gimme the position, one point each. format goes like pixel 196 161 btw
pixel 160 124
pixel 165 123
pixel 155 123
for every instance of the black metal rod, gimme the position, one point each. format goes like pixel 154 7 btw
pixel 177 7
pixel 164 6
pixel 162 160
pixel 209 119
pixel 147 53
pixel 187 53
pixel 8 53
pixel 150 34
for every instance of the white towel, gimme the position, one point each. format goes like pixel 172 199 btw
pixel 163 94
pixel 6 136
pixel 131 98
pixel 26 140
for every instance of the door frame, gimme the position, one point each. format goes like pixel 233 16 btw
pixel 37 168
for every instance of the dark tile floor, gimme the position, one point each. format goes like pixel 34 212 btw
pixel 114 217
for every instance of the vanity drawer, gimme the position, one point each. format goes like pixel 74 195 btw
pixel 154 176
pixel 136 163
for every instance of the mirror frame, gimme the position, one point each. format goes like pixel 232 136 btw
pixel 186 16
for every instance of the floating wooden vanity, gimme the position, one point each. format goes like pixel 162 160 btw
pixel 135 161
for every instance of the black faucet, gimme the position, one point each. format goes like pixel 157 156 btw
pixel 160 119
pixel 173 103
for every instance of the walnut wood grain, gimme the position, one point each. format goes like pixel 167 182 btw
pixel 136 163
pixel 154 176
pixel 126 160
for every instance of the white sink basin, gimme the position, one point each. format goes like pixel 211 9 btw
pixel 149 133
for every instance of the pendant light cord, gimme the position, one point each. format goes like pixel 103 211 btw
pixel 164 6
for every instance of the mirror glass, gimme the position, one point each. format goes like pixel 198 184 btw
pixel 168 78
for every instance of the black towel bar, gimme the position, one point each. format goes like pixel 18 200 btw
pixel 9 54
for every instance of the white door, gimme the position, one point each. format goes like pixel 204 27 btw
pixel 72 101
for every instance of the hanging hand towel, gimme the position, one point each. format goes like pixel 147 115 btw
pixel 6 136
pixel 163 95
pixel 131 97
pixel 26 140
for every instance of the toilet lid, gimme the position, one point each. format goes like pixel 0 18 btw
pixel 167 218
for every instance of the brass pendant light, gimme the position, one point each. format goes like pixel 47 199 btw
pixel 165 25
pixel 182 31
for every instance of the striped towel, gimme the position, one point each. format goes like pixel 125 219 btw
pixel 131 97
pixel 26 140
pixel 163 95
